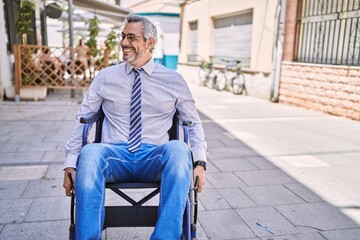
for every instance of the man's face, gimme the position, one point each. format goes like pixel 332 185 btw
pixel 136 50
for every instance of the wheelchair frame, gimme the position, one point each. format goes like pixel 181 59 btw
pixel 137 215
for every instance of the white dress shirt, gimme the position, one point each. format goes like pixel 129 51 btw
pixel 163 92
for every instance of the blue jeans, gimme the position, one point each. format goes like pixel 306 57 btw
pixel 99 163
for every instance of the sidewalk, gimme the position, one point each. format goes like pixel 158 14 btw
pixel 293 170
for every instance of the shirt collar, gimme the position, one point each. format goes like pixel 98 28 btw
pixel 148 67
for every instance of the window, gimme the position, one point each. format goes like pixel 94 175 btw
pixel 193 42
pixel 329 32
pixel 232 37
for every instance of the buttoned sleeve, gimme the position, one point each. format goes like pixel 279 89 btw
pixel 187 111
pixel 90 104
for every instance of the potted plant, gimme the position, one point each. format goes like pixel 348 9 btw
pixel 23 27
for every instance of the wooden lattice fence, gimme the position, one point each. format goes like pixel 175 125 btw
pixel 56 67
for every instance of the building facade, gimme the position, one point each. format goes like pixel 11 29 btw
pixel 321 62
pixel 299 52
pixel 244 30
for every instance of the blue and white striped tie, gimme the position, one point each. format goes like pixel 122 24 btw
pixel 135 115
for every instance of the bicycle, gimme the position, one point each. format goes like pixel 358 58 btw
pixel 207 75
pixel 234 79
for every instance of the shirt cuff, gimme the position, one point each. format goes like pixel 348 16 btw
pixel 199 155
pixel 70 162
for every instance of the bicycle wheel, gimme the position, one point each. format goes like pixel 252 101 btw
pixel 201 81
pixel 211 82
pixel 238 84
pixel 221 81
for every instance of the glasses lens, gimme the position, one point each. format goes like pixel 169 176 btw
pixel 130 37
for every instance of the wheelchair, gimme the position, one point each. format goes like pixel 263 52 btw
pixel 138 215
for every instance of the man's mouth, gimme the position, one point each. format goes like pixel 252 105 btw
pixel 127 49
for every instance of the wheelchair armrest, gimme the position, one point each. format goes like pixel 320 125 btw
pixel 186 123
pixel 185 127
pixel 90 118
pixel 88 121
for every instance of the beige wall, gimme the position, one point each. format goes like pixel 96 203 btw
pixel 263 31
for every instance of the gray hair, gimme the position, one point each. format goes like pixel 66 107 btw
pixel 148 28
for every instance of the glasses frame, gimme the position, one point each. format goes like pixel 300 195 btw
pixel 130 37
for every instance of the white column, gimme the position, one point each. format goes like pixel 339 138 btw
pixel 5 62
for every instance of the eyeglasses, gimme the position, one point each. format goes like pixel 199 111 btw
pixel 130 37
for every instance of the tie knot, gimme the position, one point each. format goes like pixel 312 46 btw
pixel 136 72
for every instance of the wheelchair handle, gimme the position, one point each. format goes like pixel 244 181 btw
pixel 71 179
pixel 72 209
pixel 196 183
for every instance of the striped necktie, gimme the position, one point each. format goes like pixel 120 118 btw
pixel 135 115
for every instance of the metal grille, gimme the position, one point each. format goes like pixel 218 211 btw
pixel 329 32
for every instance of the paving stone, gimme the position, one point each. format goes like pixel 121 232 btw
pixel 22 172
pixel 261 162
pixel 302 236
pixel 303 192
pixel 316 216
pixel 221 153
pixel 214 143
pixel 4 138
pixel 236 198
pixel 54 156
pixel 50 230
pixel 236 164
pixel 270 218
pixel 9 147
pixel 24 157
pixel 213 200
pixel 224 180
pixel 28 138
pixel 271 195
pixel 139 233
pixel 44 188
pixel 211 167
pixel 348 234
pixel 54 171
pixel 48 209
pixel 265 177
pixel 224 224
pixel 12 189
pixel 34 147
pixel 231 141
pixel 13 210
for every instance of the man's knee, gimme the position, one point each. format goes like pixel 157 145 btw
pixel 177 146
pixel 90 155
pixel 179 154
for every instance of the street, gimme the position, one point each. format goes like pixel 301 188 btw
pixel 274 171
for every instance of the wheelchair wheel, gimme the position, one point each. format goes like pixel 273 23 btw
pixel 238 84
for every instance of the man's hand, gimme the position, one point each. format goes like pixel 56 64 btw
pixel 200 172
pixel 67 184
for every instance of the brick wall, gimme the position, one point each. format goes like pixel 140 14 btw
pixel 330 89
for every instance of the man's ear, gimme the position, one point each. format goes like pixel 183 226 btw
pixel 150 43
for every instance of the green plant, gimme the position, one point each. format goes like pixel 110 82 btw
pixel 93 33
pixel 23 24
pixel 110 41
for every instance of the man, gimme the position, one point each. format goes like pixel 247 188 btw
pixel 139 99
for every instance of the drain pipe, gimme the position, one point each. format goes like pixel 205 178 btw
pixel 278 52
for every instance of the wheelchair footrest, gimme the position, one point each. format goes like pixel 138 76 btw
pixel 130 216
